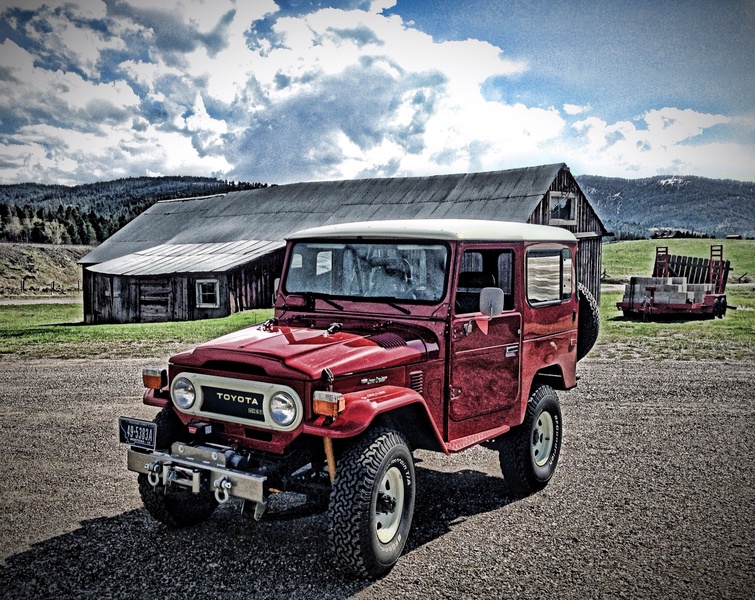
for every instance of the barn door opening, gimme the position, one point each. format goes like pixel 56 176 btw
pixel 155 300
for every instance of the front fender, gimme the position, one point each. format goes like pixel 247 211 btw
pixel 363 407
pixel 158 398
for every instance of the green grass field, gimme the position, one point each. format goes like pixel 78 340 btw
pixel 732 337
pixel 56 330
pixel 621 260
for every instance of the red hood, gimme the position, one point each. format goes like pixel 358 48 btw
pixel 309 351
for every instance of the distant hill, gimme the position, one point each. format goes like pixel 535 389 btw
pixel 88 214
pixel 712 207
pixel 30 270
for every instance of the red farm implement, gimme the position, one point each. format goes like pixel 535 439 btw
pixel 681 286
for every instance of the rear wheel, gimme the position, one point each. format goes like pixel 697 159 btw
pixel 372 503
pixel 174 506
pixel 529 453
pixel 719 307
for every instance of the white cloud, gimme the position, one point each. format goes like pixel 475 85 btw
pixel 576 109
pixel 67 39
pixel 670 126
pixel 74 156
pixel 62 97
pixel 378 6
pixel 433 116
pixel 671 141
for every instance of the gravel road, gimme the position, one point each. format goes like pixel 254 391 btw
pixel 653 497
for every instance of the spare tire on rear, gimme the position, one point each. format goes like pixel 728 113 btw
pixel 589 322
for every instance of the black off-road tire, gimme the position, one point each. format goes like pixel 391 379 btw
pixel 589 322
pixel 178 506
pixel 372 503
pixel 529 453
pixel 169 428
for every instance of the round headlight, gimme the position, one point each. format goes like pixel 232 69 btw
pixel 184 393
pixel 282 409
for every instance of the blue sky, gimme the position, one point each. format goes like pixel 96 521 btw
pixel 300 90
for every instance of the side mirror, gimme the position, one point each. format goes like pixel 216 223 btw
pixel 491 301
pixel 276 285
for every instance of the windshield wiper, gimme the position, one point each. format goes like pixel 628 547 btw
pixel 399 308
pixel 333 304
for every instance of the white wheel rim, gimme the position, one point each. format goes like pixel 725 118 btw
pixel 386 522
pixel 542 439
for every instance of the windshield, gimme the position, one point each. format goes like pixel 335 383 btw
pixel 368 269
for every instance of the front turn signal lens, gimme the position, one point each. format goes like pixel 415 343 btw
pixel 328 404
pixel 154 379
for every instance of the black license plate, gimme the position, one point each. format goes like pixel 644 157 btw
pixel 246 405
pixel 136 432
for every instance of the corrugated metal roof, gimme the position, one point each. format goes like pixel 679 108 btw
pixel 275 212
pixel 167 259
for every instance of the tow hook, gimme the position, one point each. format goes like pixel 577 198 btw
pixel 154 468
pixel 222 486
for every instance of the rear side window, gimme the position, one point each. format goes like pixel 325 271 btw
pixel 550 278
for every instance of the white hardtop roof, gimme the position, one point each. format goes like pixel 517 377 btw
pixel 441 229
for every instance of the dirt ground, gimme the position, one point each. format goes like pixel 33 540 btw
pixel 653 497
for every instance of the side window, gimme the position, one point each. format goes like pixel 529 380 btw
pixel 506 278
pixel 481 269
pixel 549 276
pixel 208 293
pixel 567 282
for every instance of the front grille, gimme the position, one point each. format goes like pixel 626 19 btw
pixel 237 400
pixel 232 403
pixel 417 381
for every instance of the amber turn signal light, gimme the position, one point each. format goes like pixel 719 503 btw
pixel 154 379
pixel 328 404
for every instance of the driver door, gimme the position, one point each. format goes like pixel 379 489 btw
pixel 484 351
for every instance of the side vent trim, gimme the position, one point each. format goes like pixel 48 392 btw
pixel 417 381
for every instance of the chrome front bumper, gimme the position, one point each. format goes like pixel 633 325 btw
pixel 190 466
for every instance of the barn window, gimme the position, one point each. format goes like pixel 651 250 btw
pixel 208 293
pixel 563 207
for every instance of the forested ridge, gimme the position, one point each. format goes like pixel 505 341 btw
pixel 709 207
pixel 89 214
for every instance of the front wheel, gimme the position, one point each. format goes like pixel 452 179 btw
pixel 372 503
pixel 529 453
pixel 174 506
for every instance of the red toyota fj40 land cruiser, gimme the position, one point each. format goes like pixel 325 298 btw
pixel 388 336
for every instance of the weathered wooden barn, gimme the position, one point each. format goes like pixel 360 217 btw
pixel 212 256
